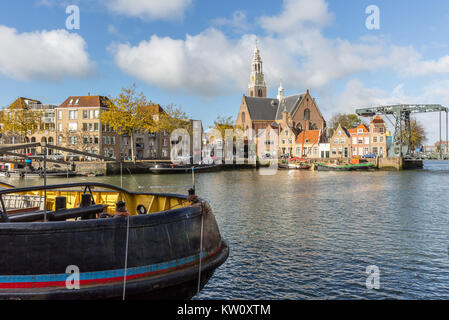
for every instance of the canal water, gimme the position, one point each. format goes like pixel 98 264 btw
pixel 312 235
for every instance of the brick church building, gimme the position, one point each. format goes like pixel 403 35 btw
pixel 299 112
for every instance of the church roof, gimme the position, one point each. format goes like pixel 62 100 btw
pixel 269 108
pixel 262 108
pixel 291 104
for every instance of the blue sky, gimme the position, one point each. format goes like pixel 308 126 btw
pixel 197 53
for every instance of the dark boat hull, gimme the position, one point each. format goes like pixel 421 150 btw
pixel 167 170
pixel 163 256
pixel 331 168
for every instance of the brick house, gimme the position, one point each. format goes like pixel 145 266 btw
pixel 378 130
pixel 340 143
pixel 307 144
pixel 360 140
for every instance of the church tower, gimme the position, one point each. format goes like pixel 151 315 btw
pixel 257 86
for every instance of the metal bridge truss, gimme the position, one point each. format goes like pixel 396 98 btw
pixel 401 144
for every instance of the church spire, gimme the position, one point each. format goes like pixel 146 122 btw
pixel 280 91
pixel 257 86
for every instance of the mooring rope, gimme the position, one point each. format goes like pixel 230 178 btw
pixel 201 249
pixel 126 257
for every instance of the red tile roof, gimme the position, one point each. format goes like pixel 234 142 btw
pixel 312 135
pixel 85 101
pixel 378 119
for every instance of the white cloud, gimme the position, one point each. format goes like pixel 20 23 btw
pixel 297 14
pixel 207 64
pixel 294 48
pixel 150 9
pixel 237 23
pixel 43 55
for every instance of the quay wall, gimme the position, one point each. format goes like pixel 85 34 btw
pixel 142 166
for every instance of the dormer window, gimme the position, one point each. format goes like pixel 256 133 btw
pixel 360 131
pixel 71 101
pixel 77 101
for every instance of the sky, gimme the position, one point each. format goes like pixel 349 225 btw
pixel 197 53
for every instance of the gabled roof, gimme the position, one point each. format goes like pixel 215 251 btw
pixel 291 104
pixel 312 135
pixel 347 132
pixel 84 101
pixel 356 129
pixel 378 119
pixel 262 108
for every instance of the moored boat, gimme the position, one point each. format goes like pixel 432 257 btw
pixel 110 241
pixel 343 167
pixel 173 168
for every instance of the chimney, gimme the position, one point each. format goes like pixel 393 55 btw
pixel 88 94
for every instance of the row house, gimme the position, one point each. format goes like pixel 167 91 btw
pixel 308 144
pixel 76 124
pixel 360 141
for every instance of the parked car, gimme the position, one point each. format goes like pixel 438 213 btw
pixel 369 156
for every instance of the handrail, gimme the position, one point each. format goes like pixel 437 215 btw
pixel 63 186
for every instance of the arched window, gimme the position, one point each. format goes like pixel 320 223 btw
pixel 33 139
pixel 307 114
pixel 260 92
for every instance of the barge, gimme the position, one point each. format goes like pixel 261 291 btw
pixel 98 241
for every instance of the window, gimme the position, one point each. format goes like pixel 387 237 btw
pixel 60 127
pixel 375 150
pixel 307 114
pixel 96 126
pixel 113 140
pixel 97 114
pixel 381 138
pixel 96 139
pixel 85 140
pixel 354 140
pixel 59 115
pixel 360 140
pixel 290 141
pixel 71 101
pixel 84 127
pixel 298 150
pixel 334 151
pixel 108 140
pixel 336 141
pixel 91 128
pixel 286 133
pixel 340 151
pixel 73 126
pixel 243 116
pixel 366 140
pixel 366 150
pixel 73 139
pixel 360 151
pixel 104 139
pixel 84 114
pixel 73 115
pixel 59 139
pixel 91 114
pixel 77 101
pixel 354 151
pixel 375 139
pixel 359 130
pixel 283 141
pixel 342 140
pixel 315 150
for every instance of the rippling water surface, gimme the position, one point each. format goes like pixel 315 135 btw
pixel 304 235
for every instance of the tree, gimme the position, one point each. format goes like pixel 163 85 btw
pixel 22 122
pixel 222 124
pixel 348 121
pixel 173 118
pixel 417 133
pixel 129 112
